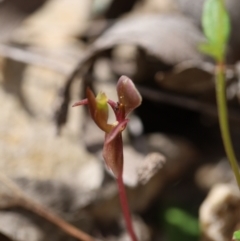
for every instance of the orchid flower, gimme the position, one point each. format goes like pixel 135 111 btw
pixel 128 99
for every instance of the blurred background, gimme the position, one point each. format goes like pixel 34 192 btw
pixel 179 183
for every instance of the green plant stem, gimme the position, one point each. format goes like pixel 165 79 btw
pixel 223 119
pixel 125 208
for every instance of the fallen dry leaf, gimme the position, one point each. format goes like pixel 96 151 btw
pixel 170 38
pixel 13 12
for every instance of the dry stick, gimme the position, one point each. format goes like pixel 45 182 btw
pixel 47 214
pixel 33 58
pixel 25 202
pixel 184 102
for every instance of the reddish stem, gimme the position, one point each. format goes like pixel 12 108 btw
pixel 125 207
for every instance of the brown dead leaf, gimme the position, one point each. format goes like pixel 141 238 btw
pixel 188 77
pixel 13 12
pixel 150 166
pixel 170 38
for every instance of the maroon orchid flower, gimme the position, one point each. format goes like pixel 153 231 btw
pixel 128 99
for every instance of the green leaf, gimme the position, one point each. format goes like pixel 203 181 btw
pixel 183 220
pixel 210 49
pixel 216 27
pixel 215 21
pixel 236 235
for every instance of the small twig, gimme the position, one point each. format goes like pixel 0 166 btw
pixel 184 102
pixel 22 200
pixel 32 58
pixel 53 218
pixel 62 112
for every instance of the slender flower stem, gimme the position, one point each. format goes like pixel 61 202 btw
pixel 223 120
pixel 125 208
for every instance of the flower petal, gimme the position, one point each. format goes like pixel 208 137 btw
pixel 99 110
pixel 116 130
pixel 81 102
pixel 128 94
pixel 113 154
